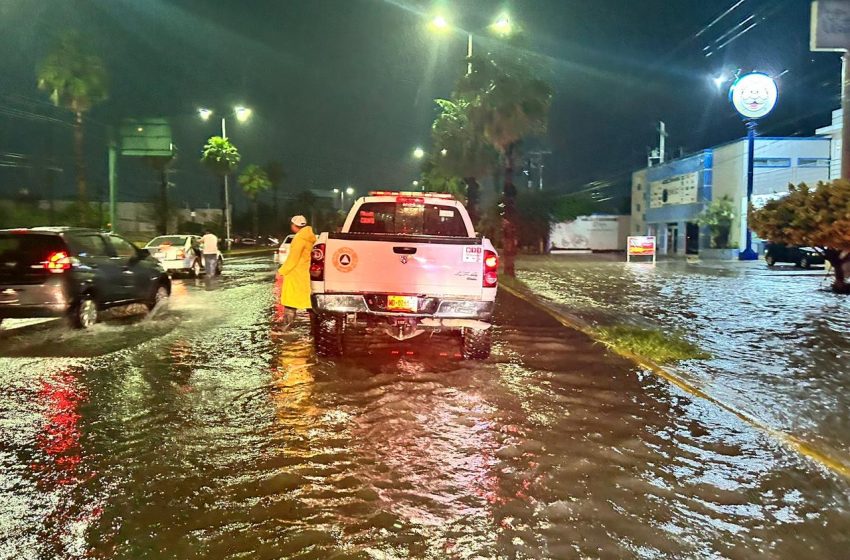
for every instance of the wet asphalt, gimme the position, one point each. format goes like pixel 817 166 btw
pixel 206 431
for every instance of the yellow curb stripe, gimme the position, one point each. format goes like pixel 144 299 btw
pixel 839 466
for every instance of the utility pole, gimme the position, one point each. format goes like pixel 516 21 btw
pixel 662 141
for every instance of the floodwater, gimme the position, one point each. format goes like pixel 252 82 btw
pixel 206 432
pixel 780 339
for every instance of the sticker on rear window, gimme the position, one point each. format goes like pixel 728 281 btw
pixel 472 254
pixel 447 213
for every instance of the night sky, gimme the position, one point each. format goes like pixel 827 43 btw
pixel 342 90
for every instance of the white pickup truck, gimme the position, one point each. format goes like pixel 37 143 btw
pixel 404 263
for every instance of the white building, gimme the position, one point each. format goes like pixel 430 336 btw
pixel 833 132
pixel 597 232
pixel 668 198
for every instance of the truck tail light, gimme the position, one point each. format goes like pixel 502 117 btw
pixel 58 262
pixel 491 269
pixel 317 263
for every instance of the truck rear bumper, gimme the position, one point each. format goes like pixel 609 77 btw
pixel 439 310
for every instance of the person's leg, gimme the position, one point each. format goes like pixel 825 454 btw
pixel 288 317
pixel 209 266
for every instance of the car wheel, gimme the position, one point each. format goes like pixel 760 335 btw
pixel 769 260
pixel 477 343
pixel 218 266
pixel 84 313
pixel 159 297
pixel 328 336
pixel 804 263
pixel 196 268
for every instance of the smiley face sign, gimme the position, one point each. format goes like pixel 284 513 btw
pixel 753 95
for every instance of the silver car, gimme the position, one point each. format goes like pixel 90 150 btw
pixel 180 253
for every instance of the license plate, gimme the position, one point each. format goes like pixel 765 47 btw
pixel 402 303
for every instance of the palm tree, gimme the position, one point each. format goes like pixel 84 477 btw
pixel 76 79
pixel 508 103
pixel 221 157
pixel 461 149
pixel 254 180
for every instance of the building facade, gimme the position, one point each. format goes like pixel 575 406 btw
pixel 667 199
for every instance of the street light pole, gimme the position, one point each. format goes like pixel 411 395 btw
pixel 227 235
pixel 469 53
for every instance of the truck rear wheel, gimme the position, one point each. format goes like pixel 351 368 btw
pixel 328 335
pixel 477 343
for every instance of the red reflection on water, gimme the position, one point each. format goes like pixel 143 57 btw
pixel 59 438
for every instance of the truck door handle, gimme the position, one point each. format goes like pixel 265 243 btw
pixel 404 250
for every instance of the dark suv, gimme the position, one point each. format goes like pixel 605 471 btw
pixel 75 273
pixel 804 257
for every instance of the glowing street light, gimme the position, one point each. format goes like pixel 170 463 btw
pixel 349 191
pixel 242 113
pixel 205 113
pixel 419 153
pixel 443 152
pixel 439 23
pixel 503 25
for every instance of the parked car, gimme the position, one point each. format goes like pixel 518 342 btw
pixel 803 257
pixel 283 251
pixel 181 253
pixel 405 264
pixel 74 273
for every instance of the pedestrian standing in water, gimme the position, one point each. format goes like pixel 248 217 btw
pixel 209 246
pixel 295 271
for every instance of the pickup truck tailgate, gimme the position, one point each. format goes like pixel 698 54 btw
pixel 438 267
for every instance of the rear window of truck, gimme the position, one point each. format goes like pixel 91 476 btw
pixel 409 218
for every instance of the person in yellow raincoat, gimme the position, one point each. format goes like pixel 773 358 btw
pixel 295 293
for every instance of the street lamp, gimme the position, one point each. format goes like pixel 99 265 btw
pixel 242 115
pixel 418 153
pixel 342 192
pixel 503 26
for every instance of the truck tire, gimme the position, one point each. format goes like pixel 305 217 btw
pixel 328 336
pixel 477 343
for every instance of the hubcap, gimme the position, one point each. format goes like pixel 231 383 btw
pixel 88 313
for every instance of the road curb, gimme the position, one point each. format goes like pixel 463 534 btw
pixel 826 460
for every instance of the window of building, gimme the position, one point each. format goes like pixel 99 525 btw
pixel 812 162
pixel 771 162
pixel 637 206
pixel 639 187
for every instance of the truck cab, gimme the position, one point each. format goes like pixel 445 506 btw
pixel 404 263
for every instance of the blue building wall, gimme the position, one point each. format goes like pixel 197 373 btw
pixel 673 218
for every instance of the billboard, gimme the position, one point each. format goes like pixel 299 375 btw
pixel 640 246
pixel 146 137
pixel 830 26
pixel 679 189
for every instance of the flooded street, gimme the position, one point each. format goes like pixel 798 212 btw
pixel 206 432
pixel 780 339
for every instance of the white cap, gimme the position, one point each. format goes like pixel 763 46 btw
pixel 299 220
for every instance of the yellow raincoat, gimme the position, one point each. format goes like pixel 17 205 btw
pixel 296 270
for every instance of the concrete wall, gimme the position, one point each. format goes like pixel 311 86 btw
pixel 598 232
pixel 639 190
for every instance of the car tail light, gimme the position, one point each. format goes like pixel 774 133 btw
pixel 181 254
pixel 317 263
pixel 491 269
pixel 58 262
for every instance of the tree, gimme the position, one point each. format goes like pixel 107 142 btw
pixel 221 157
pixel 254 180
pixel 276 174
pixel 718 217
pixel 461 150
pixel 76 79
pixel 818 217
pixel 435 179
pixel 507 103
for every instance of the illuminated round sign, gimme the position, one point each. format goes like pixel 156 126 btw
pixel 754 95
